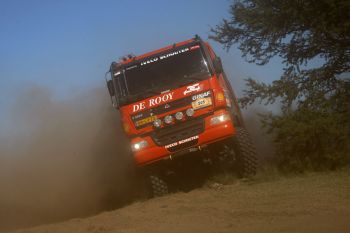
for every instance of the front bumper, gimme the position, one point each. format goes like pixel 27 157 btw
pixel 209 134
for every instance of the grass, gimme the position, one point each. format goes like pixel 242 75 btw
pixel 268 173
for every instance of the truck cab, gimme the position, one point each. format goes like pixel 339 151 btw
pixel 174 101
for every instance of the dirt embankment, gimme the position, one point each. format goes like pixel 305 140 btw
pixel 309 203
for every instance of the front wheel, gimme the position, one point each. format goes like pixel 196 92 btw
pixel 158 185
pixel 245 154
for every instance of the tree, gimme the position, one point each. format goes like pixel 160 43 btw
pixel 313 128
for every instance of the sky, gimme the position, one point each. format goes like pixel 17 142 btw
pixel 68 45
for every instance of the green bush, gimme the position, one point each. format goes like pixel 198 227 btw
pixel 312 131
pixel 307 139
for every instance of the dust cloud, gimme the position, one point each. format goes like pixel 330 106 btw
pixel 63 159
pixel 69 158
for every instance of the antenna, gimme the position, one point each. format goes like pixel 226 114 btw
pixel 196 37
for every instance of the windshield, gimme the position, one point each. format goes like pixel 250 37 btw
pixel 165 71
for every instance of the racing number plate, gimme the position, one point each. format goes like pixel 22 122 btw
pixel 146 120
pixel 201 103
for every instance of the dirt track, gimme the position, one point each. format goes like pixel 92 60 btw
pixel 310 203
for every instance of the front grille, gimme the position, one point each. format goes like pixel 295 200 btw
pixel 183 145
pixel 178 132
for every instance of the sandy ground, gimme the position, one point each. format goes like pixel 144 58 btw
pixel 308 203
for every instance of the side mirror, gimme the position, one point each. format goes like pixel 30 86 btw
pixel 112 93
pixel 217 65
pixel 110 87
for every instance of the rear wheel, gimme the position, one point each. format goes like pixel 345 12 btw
pixel 245 154
pixel 158 185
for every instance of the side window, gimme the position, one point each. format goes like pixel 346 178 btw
pixel 117 85
pixel 228 85
pixel 212 53
pixel 236 112
pixel 209 54
pixel 123 85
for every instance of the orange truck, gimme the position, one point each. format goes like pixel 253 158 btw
pixel 177 102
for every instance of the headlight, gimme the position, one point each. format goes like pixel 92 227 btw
pixel 139 145
pixel 168 119
pixel 179 116
pixel 157 123
pixel 219 119
pixel 190 112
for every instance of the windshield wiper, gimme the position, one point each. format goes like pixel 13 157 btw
pixel 143 95
pixel 150 92
pixel 194 76
pixel 186 79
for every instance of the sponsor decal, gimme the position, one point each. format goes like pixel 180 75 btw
pixel 201 95
pixel 192 88
pixel 131 67
pixel 161 57
pixel 201 100
pixel 174 53
pixel 153 102
pixel 149 61
pixel 146 120
pixel 138 116
pixel 181 141
pixel 201 103
pixel 195 47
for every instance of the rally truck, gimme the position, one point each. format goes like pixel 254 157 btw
pixel 178 102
